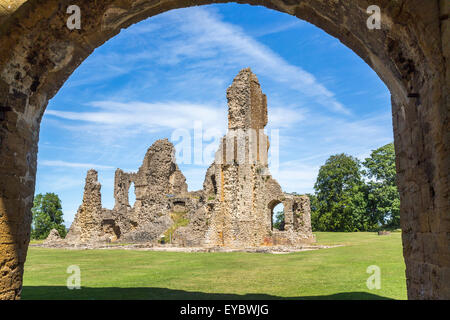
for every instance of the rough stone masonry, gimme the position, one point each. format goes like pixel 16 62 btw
pixel 234 209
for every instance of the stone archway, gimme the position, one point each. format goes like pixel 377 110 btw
pixel 410 54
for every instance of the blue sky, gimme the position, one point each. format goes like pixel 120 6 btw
pixel 171 71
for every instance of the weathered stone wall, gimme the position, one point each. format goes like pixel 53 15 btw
pixel 87 225
pixel 198 214
pixel 122 183
pixel 302 215
pixel 157 181
pixel 410 53
pixel 247 105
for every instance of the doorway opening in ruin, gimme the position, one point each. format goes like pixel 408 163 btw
pixel 276 208
pixel 131 195
pixel 179 206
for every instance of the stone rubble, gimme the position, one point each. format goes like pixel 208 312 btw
pixel 53 237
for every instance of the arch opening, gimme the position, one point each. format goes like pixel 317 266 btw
pixel 412 70
pixel 131 194
pixel 278 219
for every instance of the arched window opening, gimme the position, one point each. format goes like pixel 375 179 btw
pixel 278 217
pixel 131 195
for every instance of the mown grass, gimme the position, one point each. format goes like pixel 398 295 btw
pixel 335 273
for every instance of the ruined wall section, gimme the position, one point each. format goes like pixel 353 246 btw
pixel 195 209
pixel 156 182
pixel 86 226
pixel 53 238
pixel 122 183
pixel 297 216
pixel 302 217
pixel 116 222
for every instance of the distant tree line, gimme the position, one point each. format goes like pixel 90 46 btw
pixel 351 195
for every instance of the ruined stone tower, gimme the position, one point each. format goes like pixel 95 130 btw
pixel 239 180
pixel 87 224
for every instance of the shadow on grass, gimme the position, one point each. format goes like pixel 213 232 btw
pixel 88 293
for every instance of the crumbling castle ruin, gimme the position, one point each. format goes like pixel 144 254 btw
pixel 234 209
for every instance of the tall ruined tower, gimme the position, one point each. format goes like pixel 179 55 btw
pixel 240 183
pixel 86 227
pixel 240 170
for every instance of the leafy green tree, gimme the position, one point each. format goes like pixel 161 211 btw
pixel 340 203
pixel 279 220
pixel 314 205
pixel 383 196
pixel 47 215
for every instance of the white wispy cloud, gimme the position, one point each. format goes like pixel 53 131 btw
pixel 276 28
pixel 280 117
pixel 58 183
pixel 60 163
pixel 207 36
pixel 148 116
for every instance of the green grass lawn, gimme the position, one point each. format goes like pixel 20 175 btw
pixel 335 273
